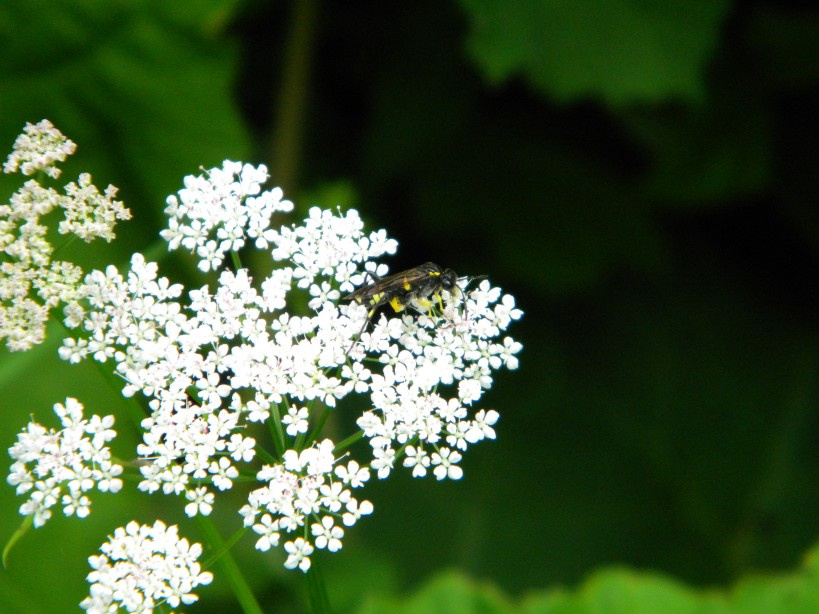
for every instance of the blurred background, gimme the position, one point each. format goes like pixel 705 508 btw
pixel 640 174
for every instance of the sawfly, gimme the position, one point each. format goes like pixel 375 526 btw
pixel 422 285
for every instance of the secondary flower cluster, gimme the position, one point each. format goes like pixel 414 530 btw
pixel 39 148
pixel 142 567
pixel 31 283
pixel 62 466
pixel 216 212
pixel 306 485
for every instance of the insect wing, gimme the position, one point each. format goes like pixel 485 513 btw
pixel 385 288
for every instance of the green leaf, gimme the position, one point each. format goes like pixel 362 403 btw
pixel 623 591
pixel 448 593
pixel 615 591
pixel 145 90
pixel 623 51
pixel 703 156
pixel 784 45
pixel 24 527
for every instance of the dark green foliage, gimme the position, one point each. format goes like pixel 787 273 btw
pixel 642 175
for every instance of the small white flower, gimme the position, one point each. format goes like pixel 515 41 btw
pixel 269 531
pixel 142 567
pixel 469 390
pixel 223 473
pixel 296 420
pixel 201 502
pixel 327 535
pixel 353 474
pixel 444 462
pixel 383 459
pixel 356 510
pixel 75 502
pixel 333 496
pixel 298 552
pixel 481 427
pixel 418 459
pixel 508 354
pixel 241 448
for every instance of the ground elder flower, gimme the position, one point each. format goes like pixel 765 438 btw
pixel 216 212
pixel 308 485
pixel 184 444
pixel 215 361
pixel 421 361
pixel 90 214
pixel 142 567
pixel 37 149
pixel 329 245
pixel 60 467
pixel 31 283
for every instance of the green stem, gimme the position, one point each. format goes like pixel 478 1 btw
pixel 317 590
pixel 266 456
pixel 319 424
pixel 132 405
pixel 224 548
pixel 229 568
pixel 348 443
pixel 237 261
pixel 135 410
pixel 276 431
pixel 156 251
pixel 72 238
pixel 292 106
pixel 24 527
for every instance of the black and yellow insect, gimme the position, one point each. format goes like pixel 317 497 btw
pixel 400 289
pixel 422 284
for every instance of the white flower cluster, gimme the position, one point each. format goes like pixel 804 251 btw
pixel 215 212
pixel 329 245
pixel 422 356
pixel 90 214
pixel 162 352
pixel 31 283
pixel 231 356
pixel 307 485
pixel 142 567
pixel 38 148
pixel 62 466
